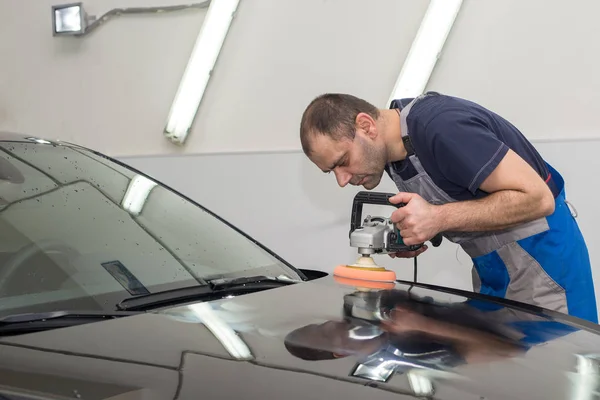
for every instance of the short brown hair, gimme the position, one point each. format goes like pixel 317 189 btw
pixel 334 115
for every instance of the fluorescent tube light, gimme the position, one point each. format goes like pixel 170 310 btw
pixel 426 48
pixel 137 192
pixel 197 73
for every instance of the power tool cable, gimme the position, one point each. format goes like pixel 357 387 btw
pixel 415 270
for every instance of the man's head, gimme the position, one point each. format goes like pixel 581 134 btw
pixel 343 134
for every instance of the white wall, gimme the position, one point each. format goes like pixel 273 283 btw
pixel 533 62
pixel 112 90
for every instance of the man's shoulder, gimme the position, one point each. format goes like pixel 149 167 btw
pixel 400 103
pixel 440 109
pixel 436 116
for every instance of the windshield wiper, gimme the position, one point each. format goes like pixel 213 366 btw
pixel 34 322
pixel 221 283
pixel 214 289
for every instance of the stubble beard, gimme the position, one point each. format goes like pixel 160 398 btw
pixel 372 182
pixel 377 160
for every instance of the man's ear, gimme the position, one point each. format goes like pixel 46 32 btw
pixel 366 124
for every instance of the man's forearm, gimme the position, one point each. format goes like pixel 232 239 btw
pixel 499 210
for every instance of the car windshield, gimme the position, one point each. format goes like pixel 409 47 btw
pixel 82 232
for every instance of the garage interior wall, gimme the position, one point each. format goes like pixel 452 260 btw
pixel 112 91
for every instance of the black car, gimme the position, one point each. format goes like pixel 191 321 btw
pixel 117 287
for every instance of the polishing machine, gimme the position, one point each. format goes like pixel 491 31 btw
pixel 378 235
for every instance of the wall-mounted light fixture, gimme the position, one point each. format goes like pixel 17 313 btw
pixel 426 48
pixel 69 19
pixel 198 71
pixel 72 19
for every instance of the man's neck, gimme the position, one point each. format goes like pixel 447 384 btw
pixel 392 135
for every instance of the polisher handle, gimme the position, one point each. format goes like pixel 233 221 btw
pixel 380 199
pixel 364 197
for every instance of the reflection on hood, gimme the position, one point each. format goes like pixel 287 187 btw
pixel 429 334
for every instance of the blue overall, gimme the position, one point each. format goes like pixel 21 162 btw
pixel 544 262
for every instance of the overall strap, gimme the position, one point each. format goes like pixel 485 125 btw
pixel 403 113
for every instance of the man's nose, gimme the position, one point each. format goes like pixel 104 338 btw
pixel 342 177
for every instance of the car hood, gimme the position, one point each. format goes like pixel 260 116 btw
pixel 314 340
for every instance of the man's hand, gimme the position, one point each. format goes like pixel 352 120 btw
pixel 418 221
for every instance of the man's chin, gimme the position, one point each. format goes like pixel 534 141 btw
pixel 370 185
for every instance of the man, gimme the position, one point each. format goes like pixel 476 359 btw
pixel 465 172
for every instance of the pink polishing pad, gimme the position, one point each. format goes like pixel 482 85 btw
pixel 364 274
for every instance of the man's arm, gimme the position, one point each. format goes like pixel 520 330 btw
pixel 469 154
pixel 517 194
